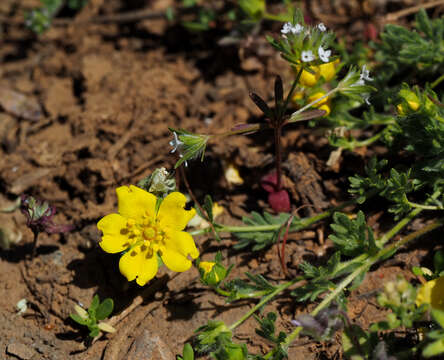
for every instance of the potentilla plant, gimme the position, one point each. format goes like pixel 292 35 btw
pixel 148 231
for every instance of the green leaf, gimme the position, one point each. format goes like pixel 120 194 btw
pixel 208 206
pixel 94 331
pixel 259 240
pixel 78 319
pixel 438 316
pixel 188 353
pixel 94 303
pixel 433 349
pixel 104 309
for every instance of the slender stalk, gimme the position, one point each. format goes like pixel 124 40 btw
pixel 356 143
pixel 34 244
pixel 278 152
pixel 437 81
pixel 266 299
pixel 294 117
pixel 299 224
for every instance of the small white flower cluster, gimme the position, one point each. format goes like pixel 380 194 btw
pixel 307 55
pixel 177 146
pixel 363 77
pixel 289 28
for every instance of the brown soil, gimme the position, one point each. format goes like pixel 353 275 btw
pixel 85 108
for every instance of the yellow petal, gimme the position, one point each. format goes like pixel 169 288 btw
pixel 135 202
pixel 206 266
pixel 131 263
pixel 114 230
pixel 326 108
pixel 316 96
pixel 148 271
pixel 437 296
pixel 175 261
pixel 308 79
pixel 328 71
pixel 181 242
pixel 136 264
pixel 172 213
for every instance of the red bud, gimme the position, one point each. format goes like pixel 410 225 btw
pixel 279 201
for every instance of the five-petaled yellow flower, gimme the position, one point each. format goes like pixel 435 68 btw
pixel 142 232
pixel 432 292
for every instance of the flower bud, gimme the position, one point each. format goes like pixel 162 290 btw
pixel 160 183
pixel 106 327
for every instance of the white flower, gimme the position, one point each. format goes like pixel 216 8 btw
pixel 176 143
pixel 297 29
pixel 322 27
pixel 287 28
pixel 365 74
pixel 366 97
pixel 307 56
pixel 324 54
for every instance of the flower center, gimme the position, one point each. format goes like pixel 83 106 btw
pixel 147 234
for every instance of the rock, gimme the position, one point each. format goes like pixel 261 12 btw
pixel 21 351
pixel 149 347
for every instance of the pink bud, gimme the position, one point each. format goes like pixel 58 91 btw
pixel 269 182
pixel 279 201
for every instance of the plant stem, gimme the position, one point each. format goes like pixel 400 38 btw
pixel 437 81
pixel 278 152
pixel 425 207
pixel 294 117
pixel 34 244
pixel 355 143
pixel 266 299
pixel 298 225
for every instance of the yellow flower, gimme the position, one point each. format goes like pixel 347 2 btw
pixel 142 232
pixel 324 104
pixel 432 292
pixel 206 266
pixel 327 71
pixel 412 104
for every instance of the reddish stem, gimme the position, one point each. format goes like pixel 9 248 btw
pixel 278 150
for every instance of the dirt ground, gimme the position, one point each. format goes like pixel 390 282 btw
pixel 85 108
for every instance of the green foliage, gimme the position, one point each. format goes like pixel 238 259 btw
pixel 217 274
pixel 215 338
pixel 263 237
pixel 258 286
pixel 96 312
pixel 208 215
pixel 352 236
pixel 398 296
pixel 188 353
pixel 267 329
pixel 39 20
pixel 417 51
pixel 358 344
pixel 253 9
pixel 435 339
